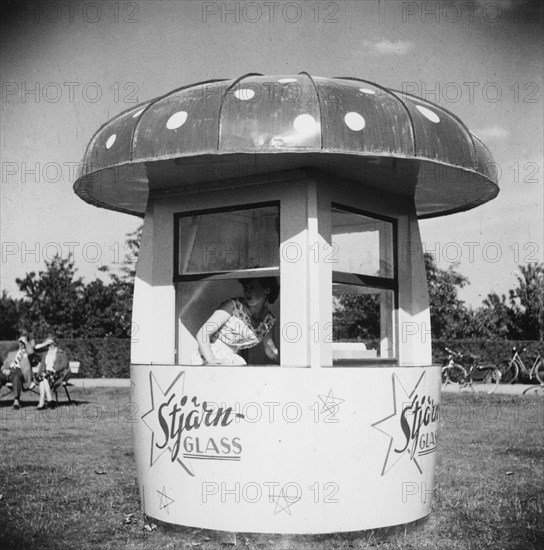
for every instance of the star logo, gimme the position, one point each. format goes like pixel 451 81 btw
pixel 411 423
pixel 165 500
pixel 284 501
pixel 331 405
pixel 151 418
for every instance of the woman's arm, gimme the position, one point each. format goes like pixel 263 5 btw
pixel 218 318
pixel 270 349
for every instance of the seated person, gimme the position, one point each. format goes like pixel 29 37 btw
pixel 239 323
pixel 17 369
pixel 53 366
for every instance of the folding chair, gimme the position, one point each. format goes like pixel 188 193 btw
pixel 9 387
pixel 63 382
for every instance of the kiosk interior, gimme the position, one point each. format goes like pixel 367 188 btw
pixel 319 183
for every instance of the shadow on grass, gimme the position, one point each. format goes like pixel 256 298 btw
pixel 26 403
pixel 279 540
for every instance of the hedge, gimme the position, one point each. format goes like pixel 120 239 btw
pixel 488 351
pixel 98 357
pixel 110 357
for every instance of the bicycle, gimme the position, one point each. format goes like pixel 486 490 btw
pixel 485 374
pixel 455 372
pixel 512 368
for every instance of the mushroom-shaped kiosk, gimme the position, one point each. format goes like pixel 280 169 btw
pixel 318 182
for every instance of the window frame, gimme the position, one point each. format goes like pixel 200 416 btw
pixel 370 281
pixel 227 274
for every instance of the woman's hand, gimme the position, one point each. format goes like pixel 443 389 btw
pixel 213 362
pixel 270 349
pixel 204 336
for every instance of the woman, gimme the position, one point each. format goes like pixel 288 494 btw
pixel 53 366
pixel 240 323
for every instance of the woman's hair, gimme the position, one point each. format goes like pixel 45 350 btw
pixel 266 282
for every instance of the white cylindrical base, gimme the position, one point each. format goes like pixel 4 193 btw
pixel 285 450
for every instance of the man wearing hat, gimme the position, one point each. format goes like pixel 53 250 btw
pixel 17 369
pixel 53 365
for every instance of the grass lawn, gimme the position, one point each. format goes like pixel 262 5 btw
pixel 67 480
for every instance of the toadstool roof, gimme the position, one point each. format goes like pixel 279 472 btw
pixel 345 127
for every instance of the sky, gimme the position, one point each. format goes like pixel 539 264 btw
pixel 68 67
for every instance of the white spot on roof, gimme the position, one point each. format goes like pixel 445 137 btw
pixel 138 113
pixel 354 121
pixel 305 124
pixel 176 120
pixel 111 141
pixel 244 94
pixel 427 113
pixel 287 80
pixel 367 91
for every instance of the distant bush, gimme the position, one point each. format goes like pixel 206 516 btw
pixel 98 357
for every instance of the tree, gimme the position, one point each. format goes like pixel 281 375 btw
pixel 118 321
pixel 101 307
pixel 449 315
pixel 356 317
pixel 132 245
pixel 521 316
pixel 495 319
pixel 527 301
pixel 52 299
pixel 9 317
pixel 57 301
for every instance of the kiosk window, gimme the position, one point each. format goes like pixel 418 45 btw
pixel 228 240
pixel 363 245
pixel 364 287
pixel 214 250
